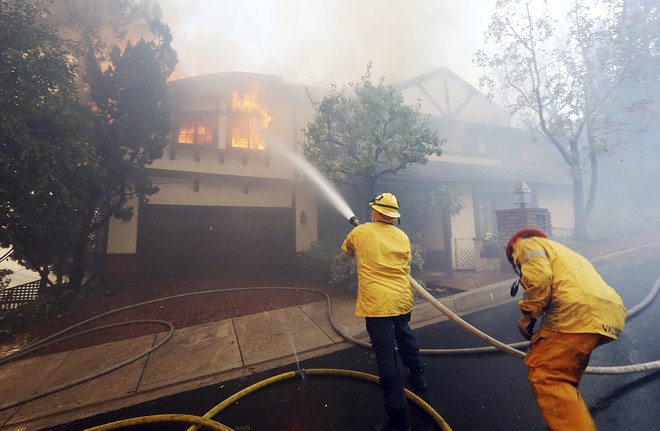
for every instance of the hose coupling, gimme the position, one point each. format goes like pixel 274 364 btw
pixel 354 221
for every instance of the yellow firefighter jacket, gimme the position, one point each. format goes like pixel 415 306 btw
pixel 566 290
pixel 382 254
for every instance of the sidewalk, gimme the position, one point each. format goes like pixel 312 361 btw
pixel 211 353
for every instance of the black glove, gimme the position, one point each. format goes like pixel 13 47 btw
pixel 514 288
pixel 526 326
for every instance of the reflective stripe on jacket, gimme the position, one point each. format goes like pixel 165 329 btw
pixel 566 290
pixel 382 254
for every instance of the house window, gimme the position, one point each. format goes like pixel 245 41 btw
pixel 249 120
pixel 485 212
pixel 245 133
pixel 195 130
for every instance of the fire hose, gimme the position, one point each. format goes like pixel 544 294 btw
pixel 510 348
pixel 495 344
pixel 207 421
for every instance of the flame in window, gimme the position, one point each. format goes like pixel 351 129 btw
pixel 253 117
pixel 194 131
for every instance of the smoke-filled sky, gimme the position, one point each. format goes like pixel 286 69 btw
pixel 323 42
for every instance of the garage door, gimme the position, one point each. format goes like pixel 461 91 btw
pixel 188 241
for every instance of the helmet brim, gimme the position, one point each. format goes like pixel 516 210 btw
pixel 387 212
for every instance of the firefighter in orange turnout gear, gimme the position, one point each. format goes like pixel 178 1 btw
pixel 579 312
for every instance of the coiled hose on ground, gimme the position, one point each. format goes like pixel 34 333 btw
pixel 495 344
pixel 206 420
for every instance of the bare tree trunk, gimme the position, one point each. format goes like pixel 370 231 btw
pixel 593 186
pixel 580 231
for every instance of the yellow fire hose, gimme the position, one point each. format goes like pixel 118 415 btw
pixel 206 420
pixel 180 418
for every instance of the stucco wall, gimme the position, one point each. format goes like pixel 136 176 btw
pixel 462 225
pixel 559 203
pixel 122 236
pixel 306 232
pixel 231 192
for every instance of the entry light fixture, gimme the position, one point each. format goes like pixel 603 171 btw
pixel 303 218
pixel 522 195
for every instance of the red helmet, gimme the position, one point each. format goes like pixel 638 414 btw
pixel 525 233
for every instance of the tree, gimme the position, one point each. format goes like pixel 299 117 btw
pixel 130 95
pixel 356 139
pixel 575 88
pixel 99 149
pixel 45 140
pixel 423 203
pixel 125 84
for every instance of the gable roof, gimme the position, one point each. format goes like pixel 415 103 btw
pixel 442 93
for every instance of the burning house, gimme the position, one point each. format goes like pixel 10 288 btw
pixel 229 202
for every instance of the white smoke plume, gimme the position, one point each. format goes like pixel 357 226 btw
pixel 320 42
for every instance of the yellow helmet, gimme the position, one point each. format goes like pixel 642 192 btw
pixel 386 204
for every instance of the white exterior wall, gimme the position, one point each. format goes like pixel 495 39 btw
pixel 559 203
pixel 123 234
pixel 306 233
pixel 462 225
pixel 227 193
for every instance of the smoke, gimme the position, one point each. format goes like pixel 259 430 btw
pixel 319 42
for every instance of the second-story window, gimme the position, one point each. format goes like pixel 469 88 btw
pixel 249 118
pixel 195 129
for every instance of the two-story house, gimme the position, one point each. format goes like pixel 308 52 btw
pixel 231 202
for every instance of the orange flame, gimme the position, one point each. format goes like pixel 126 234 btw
pixel 244 133
pixel 248 103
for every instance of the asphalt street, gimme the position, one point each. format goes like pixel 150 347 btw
pixel 486 391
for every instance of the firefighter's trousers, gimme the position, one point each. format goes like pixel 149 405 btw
pixel 556 362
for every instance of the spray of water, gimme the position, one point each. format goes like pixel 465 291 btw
pixel 295 351
pixel 330 192
pixel 314 175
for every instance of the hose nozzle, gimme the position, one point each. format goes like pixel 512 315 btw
pixel 354 221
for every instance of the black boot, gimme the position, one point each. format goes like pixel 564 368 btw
pixel 417 381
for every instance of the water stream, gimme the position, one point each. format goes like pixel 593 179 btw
pixel 330 192
pixel 295 351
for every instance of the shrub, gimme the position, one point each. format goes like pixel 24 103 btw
pixel 316 262
pixel 325 261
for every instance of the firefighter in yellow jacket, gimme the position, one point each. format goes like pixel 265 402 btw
pixel 579 312
pixel 385 300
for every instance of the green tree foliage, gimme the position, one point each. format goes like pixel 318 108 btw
pixel 357 138
pixel 127 89
pixel 577 81
pixel 425 203
pixel 46 151
pixel 81 163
